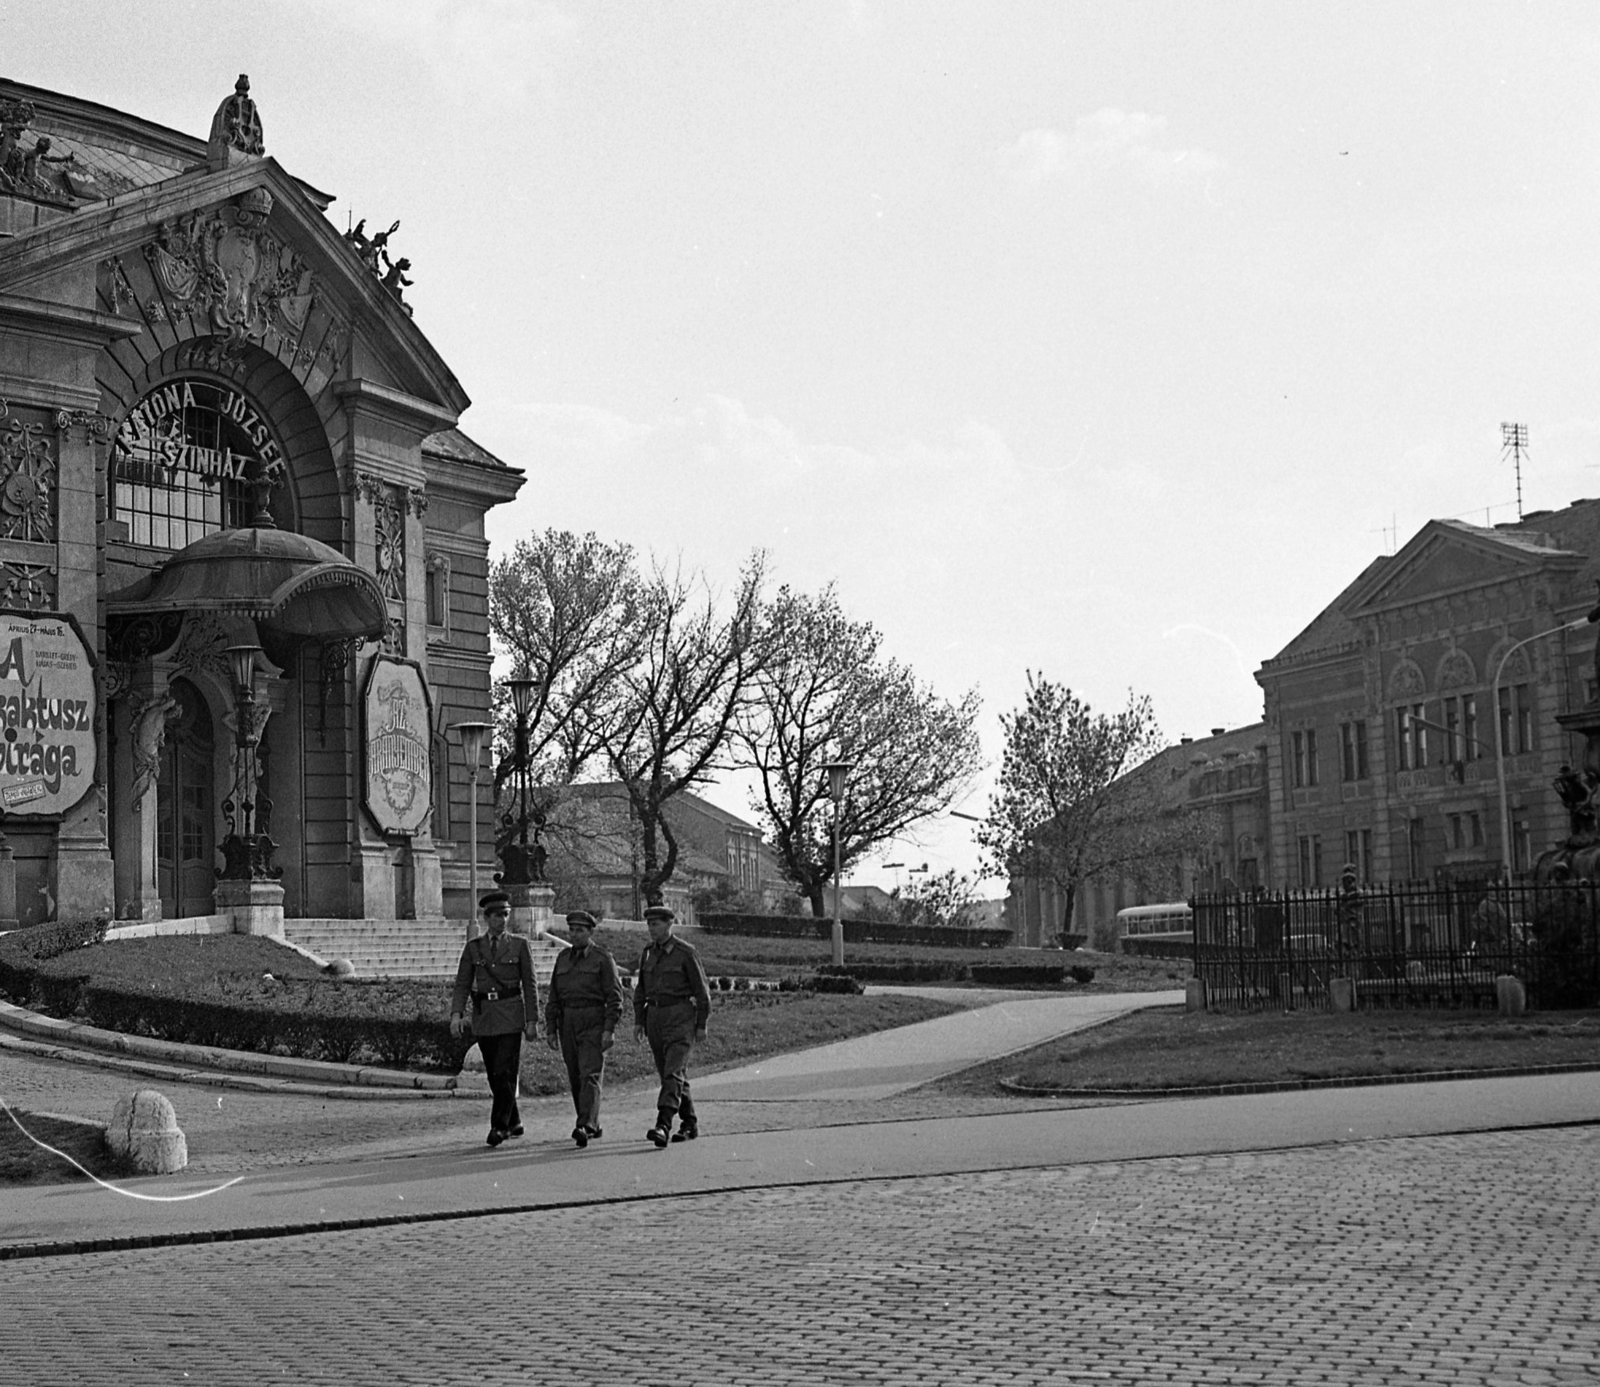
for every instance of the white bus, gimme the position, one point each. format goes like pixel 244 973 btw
pixel 1171 922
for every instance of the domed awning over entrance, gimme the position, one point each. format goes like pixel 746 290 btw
pixel 286 581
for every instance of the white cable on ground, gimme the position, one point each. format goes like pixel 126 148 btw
pixel 106 1184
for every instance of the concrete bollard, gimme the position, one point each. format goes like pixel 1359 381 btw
pixel 144 1130
pixel 1194 994
pixel 1342 994
pixel 1511 995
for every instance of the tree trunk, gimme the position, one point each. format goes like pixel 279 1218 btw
pixel 1066 916
pixel 815 893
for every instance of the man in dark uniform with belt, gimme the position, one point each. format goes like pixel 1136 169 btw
pixel 671 1005
pixel 496 971
pixel 582 1009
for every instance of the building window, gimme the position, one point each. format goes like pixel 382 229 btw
pixel 1311 860
pixel 1416 859
pixel 1353 750
pixel 1471 748
pixel 1475 826
pixel 1521 845
pixel 1413 737
pixel 1516 720
pixel 1305 758
pixel 1457 823
pixel 1358 851
pixel 182 461
pixel 438 590
pixel 442 824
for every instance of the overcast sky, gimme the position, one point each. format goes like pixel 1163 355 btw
pixel 1105 340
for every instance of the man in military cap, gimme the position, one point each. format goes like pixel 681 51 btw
pixel 671 1005
pixel 496 972
pixel 583 1007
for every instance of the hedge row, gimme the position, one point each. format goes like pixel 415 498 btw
pixel 855 931
pixel 1158 948
pixel 23 950
pixel 395 1024
pixel 989 974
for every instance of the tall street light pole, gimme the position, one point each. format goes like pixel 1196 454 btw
pixel 472 735
pixel 837 771
pixel 1500 734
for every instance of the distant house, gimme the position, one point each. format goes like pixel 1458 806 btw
pixel 1226 774
pixel 594 858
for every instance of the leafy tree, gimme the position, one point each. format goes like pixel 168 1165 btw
pixel 1078 799
pixel 826 694
pixel 568 611
pixel 944 901
pixel 667 722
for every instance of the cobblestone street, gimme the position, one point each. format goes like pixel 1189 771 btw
pixel 1463 1259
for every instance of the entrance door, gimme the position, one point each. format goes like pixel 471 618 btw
pixel 185 812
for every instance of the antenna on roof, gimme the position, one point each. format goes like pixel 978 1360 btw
pixel 1514 440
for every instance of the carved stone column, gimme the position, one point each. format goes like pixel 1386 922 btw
pixel 142 719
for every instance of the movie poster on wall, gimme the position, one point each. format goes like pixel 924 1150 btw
pixel 47 705
pixel 399 741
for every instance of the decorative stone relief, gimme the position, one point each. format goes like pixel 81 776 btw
pixel 129 640
pixel 225 265
pixel 1457 671
pixel 30 586
pixel 150 719
pixel 201 648
pixel 27 480
pixel 1405 680
pixel 394 636
pixel 417 500
pixel 389 513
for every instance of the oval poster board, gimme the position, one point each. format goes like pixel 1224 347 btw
pixel 47 710
pixel 399 746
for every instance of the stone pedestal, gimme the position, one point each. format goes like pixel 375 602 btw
pixel 1194 994
pixel 532 908
pixel 256 906
pixel 1342 994
pixel 1510 995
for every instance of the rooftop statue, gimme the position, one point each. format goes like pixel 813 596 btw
pixel 236 126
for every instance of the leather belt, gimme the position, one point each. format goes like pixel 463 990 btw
pixel 499 994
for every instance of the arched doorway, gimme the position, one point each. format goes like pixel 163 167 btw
pixel 186 809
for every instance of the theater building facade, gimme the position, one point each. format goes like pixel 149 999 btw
pixel 243 572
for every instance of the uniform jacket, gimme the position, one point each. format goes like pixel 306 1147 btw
pixel 671 972
pixel 590 981
pixel 491 965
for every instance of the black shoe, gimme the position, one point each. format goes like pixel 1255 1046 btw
pixel 580 1134
pixel 687 1131
pixel 595 1134
pixel 514 1131
pixel 658 1135
pixel 496 1136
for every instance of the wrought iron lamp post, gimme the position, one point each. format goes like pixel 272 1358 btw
pixel 472 735
pixel 518 860
pixel 837 771
pixel 246 850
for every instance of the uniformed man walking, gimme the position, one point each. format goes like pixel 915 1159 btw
pixel 582 1009
pixel 496 972
pixel 671 1005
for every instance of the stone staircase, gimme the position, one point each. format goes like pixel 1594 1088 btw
pixel 400 948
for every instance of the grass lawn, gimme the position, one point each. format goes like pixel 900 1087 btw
pixel 22 1162
pixel 1171 1048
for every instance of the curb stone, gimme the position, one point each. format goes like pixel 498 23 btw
pixel 1429 1076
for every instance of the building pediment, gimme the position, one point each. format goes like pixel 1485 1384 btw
pixel 241 253
pixel 1446 558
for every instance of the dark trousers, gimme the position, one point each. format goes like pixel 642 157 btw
pixel 581 1032
pixel 670 1031
pixel 502 1057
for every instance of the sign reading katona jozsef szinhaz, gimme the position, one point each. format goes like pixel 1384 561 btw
pixel 193 428
pixel 47 702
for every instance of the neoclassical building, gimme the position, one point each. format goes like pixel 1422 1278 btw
pixel 243 587
pixel 1394 713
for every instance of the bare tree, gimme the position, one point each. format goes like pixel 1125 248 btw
pixel 567 610
pixel 825 694
pixel 668 723
pixel 1079 801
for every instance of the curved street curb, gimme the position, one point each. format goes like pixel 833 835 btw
pixel 322 1075
pixel 1430 1076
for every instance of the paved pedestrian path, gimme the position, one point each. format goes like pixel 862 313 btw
pixel 889 1062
